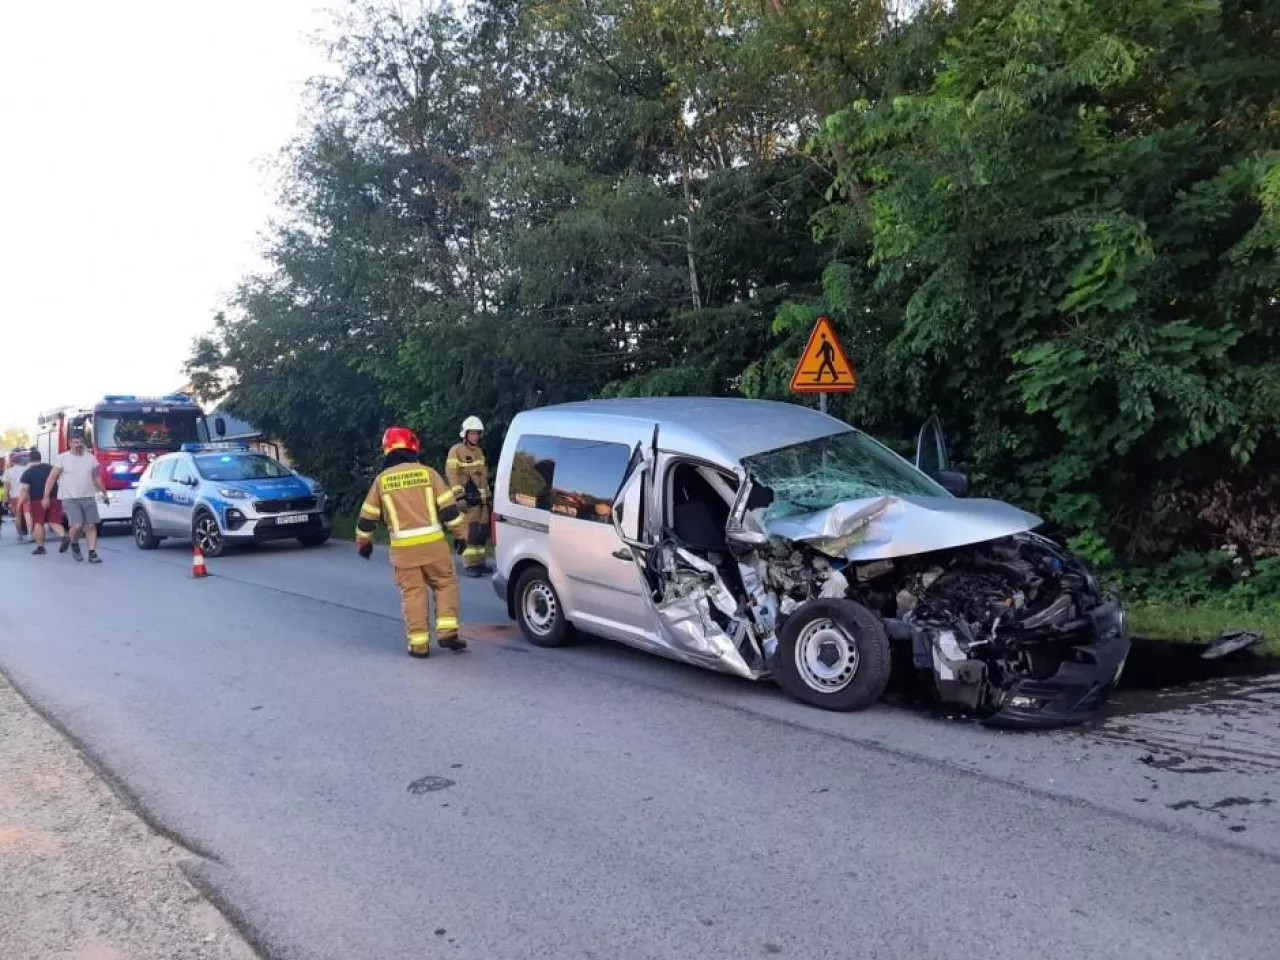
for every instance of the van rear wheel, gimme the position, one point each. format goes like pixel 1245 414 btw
pixel 539 610
pixel 833 654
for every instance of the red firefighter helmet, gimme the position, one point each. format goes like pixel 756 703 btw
pixel 400 438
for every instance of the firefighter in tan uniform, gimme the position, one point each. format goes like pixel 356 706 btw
pixel 414 501
pixel 468 476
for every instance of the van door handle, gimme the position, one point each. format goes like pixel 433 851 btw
pixel 623 554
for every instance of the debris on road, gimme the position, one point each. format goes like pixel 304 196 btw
pixel 83 876
pixel 1232 641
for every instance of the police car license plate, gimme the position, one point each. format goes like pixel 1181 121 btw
pixel 292 518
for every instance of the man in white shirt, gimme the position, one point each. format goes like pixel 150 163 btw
pixel 12 490
pixel 76 475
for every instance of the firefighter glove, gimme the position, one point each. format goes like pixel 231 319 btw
pixel 471 494
pixel 365 549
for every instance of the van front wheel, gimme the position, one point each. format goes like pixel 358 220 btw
pixel 833 654
pixel 539 611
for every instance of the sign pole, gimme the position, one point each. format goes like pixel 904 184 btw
pixel 822 401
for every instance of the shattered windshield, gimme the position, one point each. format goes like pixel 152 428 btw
pixel 818 474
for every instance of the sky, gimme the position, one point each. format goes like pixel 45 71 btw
pixel 135 170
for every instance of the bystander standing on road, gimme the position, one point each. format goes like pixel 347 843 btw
pixel 39 492
pixel 12 491
pixel 79 484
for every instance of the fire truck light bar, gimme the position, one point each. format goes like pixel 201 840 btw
pixel 133 398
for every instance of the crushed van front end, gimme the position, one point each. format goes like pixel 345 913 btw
pixel 982 615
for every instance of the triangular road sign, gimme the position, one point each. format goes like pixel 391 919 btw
pixel 823 367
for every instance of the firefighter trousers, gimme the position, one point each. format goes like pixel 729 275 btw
pixel 476 552
pixel 416 584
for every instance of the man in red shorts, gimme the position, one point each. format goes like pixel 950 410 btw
pixel 34 480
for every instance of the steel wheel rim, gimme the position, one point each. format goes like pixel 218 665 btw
pixel 540 608
pixel 208 537
pixel 141 528
pixel 826 656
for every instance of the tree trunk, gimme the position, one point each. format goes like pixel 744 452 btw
pixel 694 292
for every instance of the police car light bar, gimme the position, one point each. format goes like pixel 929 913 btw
pixel 210 447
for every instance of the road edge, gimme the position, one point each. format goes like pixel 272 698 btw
pixel 132 802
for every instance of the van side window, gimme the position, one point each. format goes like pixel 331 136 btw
pixel 588 475
pixel 533 470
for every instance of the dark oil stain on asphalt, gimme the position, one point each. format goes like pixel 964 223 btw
pixel 429 785
pixel 1156 665
pixel 1223 804
pixel 1176 764
pixel 1194 716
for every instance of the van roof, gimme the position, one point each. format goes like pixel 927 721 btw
pixel 723 430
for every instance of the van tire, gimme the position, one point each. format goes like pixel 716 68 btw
pixel 539 610
pixel 833 654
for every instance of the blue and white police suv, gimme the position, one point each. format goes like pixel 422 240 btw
pixel 220 494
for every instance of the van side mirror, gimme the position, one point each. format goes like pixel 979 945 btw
pixel 220 426
pixel 954 482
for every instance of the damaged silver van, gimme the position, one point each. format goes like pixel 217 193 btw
pixel 771 541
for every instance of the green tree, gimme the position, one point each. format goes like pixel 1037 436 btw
pixel 1054 222
pixel 1074 227
pixel 14 438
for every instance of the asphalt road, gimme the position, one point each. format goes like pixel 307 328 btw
pixel 598 803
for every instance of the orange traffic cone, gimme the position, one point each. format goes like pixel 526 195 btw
pixel 197 563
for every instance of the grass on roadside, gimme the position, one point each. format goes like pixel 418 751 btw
pixel 1180 623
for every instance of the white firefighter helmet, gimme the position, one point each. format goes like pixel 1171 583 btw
pixel 469 424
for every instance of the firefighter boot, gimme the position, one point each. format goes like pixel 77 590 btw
pixel 420 647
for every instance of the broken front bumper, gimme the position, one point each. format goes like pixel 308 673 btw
pixel 1079 689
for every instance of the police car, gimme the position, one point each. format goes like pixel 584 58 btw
pixel 220 494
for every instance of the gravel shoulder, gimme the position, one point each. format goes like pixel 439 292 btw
pixel 81 876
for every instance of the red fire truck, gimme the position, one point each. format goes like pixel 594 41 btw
pixel 124 433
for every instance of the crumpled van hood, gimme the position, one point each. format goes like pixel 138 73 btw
pixel 879 528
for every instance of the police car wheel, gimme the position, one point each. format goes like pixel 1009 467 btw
pixel 143 535
pixel 206 535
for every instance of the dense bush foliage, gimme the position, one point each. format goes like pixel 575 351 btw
pixel 1056 223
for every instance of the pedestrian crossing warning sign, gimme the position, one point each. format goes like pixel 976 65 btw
pixel 823 367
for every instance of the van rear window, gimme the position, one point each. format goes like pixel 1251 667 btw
pixel 568 477
pixel 533 469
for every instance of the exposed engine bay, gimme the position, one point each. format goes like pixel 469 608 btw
pixel 1013 628
pixel 978 619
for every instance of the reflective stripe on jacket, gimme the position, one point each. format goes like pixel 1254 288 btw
pixel 416 505
pixel 467 463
